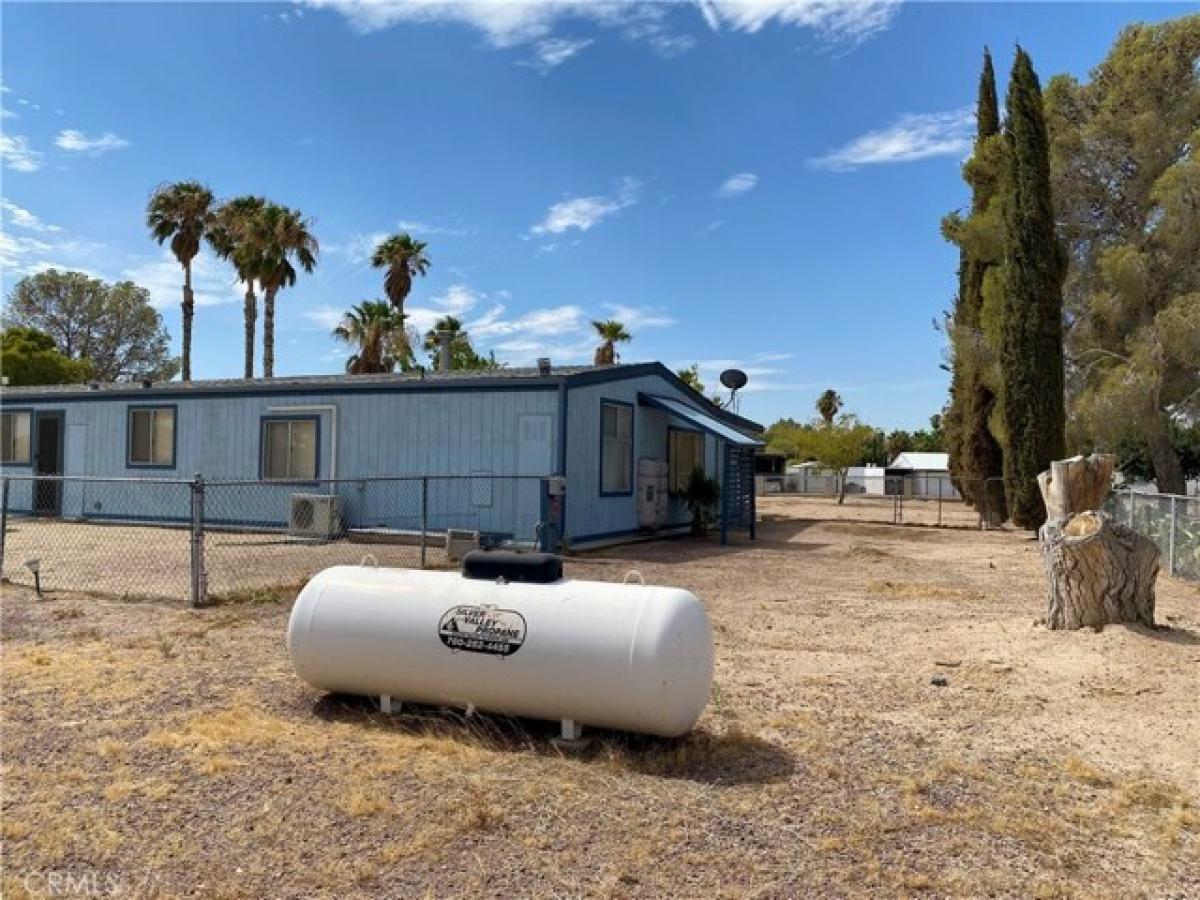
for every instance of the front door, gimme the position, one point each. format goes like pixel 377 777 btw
pixel 48 460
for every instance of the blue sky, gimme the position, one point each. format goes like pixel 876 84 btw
pixel 755 184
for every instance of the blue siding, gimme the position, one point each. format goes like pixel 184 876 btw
pixel 588 513
pixel 377 434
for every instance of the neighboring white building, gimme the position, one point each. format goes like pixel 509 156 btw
pixel 922 475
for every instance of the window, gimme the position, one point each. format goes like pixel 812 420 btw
pixel 14 438
pixel 152 436
pixel 616 448
pixel 289 449
pixel 685 451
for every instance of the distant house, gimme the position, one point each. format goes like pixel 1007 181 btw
pixel 511 437
pixel 922 475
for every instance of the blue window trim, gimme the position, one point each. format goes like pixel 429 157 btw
pixel 28 464
pixel 606 401
pixel 262 448
pixel 136 407
pixel 703 450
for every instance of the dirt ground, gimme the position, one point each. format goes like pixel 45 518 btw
pixel 154 750
pixel 154 560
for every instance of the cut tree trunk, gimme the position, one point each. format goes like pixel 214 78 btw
pixel 1076 485
pixel 1100 572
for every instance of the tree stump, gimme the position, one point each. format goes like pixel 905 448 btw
pixel 1100 571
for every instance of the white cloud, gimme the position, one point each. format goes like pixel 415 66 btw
pixel 457 301
pixel 75 141
pixel 560 350
pixel 20 217
pixel 325 317
pixel 213 282
pixel 17 253
pixel 418 229
pixel 912 137
pixel 637 317
pixel 553 52
pixel 669 46
pixel 505 23
pixel 737 184
pixel 562 332
pixel 42 245
pixel 17 155
pixel 763 370
pixel 21 255
pixel 553 320
pixel 853 20
pixel 358 248
pixel 584 212
pixel 509 23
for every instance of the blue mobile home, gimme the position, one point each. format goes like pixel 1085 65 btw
pixel 590 429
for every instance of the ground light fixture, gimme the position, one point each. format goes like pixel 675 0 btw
pixel 34 565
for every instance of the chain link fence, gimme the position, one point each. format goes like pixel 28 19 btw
pixel 920 499
pixel 237 541
pixel 1171 521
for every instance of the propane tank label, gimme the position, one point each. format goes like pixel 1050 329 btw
pixel 482 629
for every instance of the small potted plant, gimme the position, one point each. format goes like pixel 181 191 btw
pixel 701 495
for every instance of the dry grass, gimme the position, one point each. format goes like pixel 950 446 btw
pixel 175 751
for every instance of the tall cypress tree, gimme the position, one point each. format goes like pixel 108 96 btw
pixel 975 454
pixel 1031 334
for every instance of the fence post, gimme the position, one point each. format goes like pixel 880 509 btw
pixel 424 516
pixel 1170 541
pixel 198 585
pixel 3 519
pixel 941 481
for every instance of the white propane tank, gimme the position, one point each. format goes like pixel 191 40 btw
pixel 624 656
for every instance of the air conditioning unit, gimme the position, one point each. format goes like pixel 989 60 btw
pixel 459 542
pixel 314 515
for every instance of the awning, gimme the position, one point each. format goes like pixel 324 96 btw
pixel 701 420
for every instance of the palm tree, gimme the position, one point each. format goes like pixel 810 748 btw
pixel 237 237
pixel 611 332
pixel 377 331
pixel 182 213
pixel 284 237
pixel 828 405
pixel 403 258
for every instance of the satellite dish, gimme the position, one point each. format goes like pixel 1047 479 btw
pixel 734 379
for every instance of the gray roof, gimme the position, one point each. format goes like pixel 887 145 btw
pixel 493 379
pixel 336 381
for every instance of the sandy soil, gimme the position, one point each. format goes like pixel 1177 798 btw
pixel 153 562
pixel 163 751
